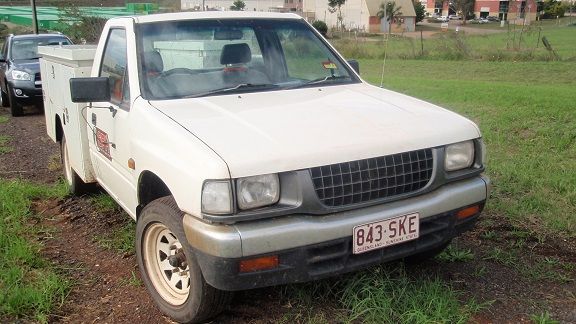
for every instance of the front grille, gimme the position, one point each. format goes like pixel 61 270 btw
pixel 365 180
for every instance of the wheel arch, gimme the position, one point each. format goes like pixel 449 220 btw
pixel 58 128
pixel 150 188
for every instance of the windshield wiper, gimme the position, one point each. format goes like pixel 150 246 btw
pixel 241 86
pixel 321 80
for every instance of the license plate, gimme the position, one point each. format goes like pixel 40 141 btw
pixel 372 236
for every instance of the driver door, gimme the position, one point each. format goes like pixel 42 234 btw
pixel 109 122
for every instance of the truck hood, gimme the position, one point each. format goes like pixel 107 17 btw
pixel 266 132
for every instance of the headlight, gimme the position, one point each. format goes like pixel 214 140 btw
pixel 459 156
pixel 258 191
pixel 20 75
pixel 217 197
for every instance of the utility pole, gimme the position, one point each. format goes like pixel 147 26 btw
pixel 34 16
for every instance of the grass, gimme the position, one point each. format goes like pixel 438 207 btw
pixel 505 257
pixel 133 281
pixel 4 147
pixel 120 238
pixel 506 45
pixel 543 318
pixel 104 203
pixel 454 254
pixel 525 112
pixel 31 287
pixel 384 294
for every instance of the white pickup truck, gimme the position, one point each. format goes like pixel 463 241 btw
pixel 251 154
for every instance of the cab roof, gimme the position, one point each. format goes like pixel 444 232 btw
pixel 212 15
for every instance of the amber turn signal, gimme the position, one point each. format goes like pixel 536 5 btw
pixel 467 212
pixel 263 263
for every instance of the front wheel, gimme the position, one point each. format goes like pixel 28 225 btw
pixel 16 108
pixel 169 268
pixel 4 98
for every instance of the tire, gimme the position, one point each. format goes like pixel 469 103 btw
pixel 186 298
pixel 76 185
pixel 4 98
pixel 15 107
pixel 426 255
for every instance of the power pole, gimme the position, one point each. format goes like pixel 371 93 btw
pixel 34 16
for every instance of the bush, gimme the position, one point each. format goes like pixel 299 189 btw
pixel 321 27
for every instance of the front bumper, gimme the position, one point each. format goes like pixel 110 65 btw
pixel 310 247
pixel 31 92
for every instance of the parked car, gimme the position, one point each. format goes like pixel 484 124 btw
pixel 483 21
pixel 20 81
pixel 492 18
pixel 443 18
pixel 455 17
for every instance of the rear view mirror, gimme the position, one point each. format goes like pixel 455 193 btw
pixel 228 34
pixel 355 65
pixel 89 89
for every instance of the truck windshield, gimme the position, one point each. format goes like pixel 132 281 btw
pixel 197 58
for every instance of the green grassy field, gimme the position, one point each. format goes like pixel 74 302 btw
pixel 526 113
pixel 509 44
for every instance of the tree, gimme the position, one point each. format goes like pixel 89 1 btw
pixel 553 9
pixel 238 5
pixel 336 5
pixel 80 27
pixel 464 8
pixel 321 27
pixel 420 11
pixel 390 12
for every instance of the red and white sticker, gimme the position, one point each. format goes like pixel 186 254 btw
pixel 102 143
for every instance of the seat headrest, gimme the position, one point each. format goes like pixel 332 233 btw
pixel 235 54
pixel 153 62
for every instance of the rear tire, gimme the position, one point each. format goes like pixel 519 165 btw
pixel 183 295
pixel 76 185
pixel 16 108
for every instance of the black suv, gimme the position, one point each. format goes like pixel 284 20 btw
pixel 20 82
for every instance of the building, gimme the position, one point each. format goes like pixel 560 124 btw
pixel 360 15
pixel 514 11
pixel 251 5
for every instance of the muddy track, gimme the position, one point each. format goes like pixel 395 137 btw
pixel 104 289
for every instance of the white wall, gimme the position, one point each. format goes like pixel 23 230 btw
pixel 355 13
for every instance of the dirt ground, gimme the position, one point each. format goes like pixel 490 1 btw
pixel 104 290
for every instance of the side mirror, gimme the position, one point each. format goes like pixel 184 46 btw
pixel 89 89
pixel 355 65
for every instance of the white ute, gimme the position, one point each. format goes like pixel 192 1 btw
pixel 251 154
